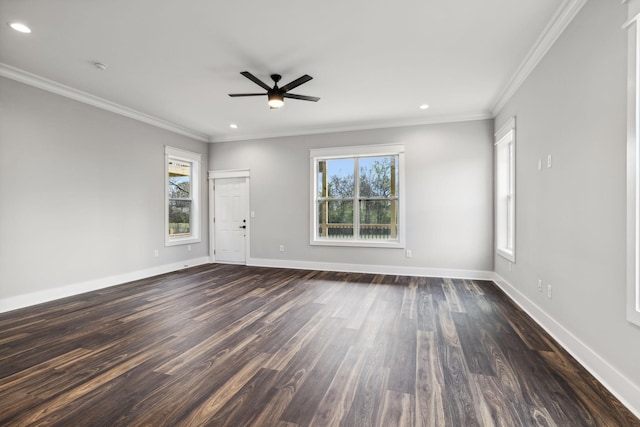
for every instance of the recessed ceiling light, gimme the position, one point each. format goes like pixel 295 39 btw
pixel 233 126
pixel 424 106
pixel 100 66
pixel 18 26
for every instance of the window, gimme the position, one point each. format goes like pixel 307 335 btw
pixel 358 196
pixel 633 173
pixel 182 172
pixel 506 190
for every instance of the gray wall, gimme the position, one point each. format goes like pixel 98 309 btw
pixel 449 178
pixel 82 192
pixel 571 218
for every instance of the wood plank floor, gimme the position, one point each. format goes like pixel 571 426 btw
pixel 226 345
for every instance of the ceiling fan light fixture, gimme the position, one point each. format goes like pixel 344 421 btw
pixel 275 100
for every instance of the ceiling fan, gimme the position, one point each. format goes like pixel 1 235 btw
pixel 277 94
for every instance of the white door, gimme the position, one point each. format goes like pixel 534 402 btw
pixel 230 219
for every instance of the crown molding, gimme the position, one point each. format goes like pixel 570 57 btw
pixel 95 101
pixel 77 95
pixel 359 126
pixel 558 23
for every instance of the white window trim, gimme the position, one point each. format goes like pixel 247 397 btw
pixel 358 151
pixel 633 173
pixel 195 159
pixel 506 134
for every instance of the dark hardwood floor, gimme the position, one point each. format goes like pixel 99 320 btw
pixel 237 346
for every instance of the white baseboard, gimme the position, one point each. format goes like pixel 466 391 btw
pixel 372 269
pixel 619 385
pixel 33 298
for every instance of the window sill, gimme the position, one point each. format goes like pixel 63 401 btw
pixel 506 254
pixel 359 243
pixel 176 241
pixel 633 316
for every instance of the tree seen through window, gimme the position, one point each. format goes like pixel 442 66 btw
pixel 179 197
pixel 358 197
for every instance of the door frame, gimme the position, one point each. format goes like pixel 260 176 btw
pixel 221 174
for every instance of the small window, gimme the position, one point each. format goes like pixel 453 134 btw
pixel 506 191
pixel 357 196
pixel 182 197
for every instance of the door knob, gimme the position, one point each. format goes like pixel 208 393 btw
pixel 243 226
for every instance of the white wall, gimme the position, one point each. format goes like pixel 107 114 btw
pixel 571 217
pixel 82 195
pixel 449 198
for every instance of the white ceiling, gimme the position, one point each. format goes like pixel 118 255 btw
pixel 373 61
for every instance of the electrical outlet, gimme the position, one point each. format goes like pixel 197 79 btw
pixel 156 252
pixel 549 161
pixel 539 285
pixel 281 248
pixel 549 291
pixel 408 253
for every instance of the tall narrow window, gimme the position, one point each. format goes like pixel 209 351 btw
pixel 633 172
pixel 357 196
pixel 182 173
pixel 506 190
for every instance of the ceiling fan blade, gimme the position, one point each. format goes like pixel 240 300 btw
pixel 302 97
pixel 255 80
pixel 297 82
pixel 246 94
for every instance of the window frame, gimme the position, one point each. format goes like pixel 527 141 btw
pixel 171 153
pixel 505 221
pixel 317 154
pixel 633 172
